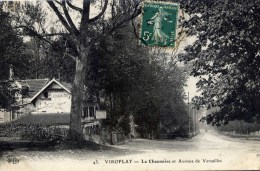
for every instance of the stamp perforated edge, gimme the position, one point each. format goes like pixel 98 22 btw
pixel 140 25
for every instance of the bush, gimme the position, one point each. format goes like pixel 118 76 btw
pixel 125 125
pixel 239 127
pixel 32 132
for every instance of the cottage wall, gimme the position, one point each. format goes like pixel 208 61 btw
pixel 28 108
pixel 53 100
pixel 4 115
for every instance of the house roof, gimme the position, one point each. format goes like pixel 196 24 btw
pixel 67 85
pixel 47 85
pixel 43 119
pixel 35 85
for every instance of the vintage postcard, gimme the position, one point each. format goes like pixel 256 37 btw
pixel 129 85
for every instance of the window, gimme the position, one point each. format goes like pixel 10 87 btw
pixel 25 90
pixel 88 112
pixel 91 111
pixel 85 112
pixel 45 94
pixel 1 119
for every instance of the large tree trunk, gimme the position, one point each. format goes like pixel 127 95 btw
pixel 76 130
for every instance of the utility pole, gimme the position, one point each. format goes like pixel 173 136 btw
pixel 194 120
pixel 189 110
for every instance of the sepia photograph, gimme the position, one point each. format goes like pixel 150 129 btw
pixel 129 85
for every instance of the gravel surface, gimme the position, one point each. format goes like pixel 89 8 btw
pixel 206 151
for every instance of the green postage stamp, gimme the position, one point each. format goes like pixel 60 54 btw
pixel 159 23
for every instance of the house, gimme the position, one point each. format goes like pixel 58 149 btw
pixel 48 102
pixel 40 96
pixel 4 115
pixel 53 97
pixel 45 96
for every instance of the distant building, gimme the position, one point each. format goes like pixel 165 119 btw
pixel 45 96
pixel 4 115
pixel 48 102
pixel 40 96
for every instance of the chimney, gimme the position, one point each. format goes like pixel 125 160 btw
pixel 11 72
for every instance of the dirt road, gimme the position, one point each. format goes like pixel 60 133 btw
pixel 207 151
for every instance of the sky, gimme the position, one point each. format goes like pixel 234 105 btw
pixel 191 88
pixel 191 82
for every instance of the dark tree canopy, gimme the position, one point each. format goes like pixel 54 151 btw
pixel 226 57
pixel 136 80
pixel 12 55
pixel 12 49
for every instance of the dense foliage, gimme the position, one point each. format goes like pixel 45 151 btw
pixel 32 132
pixel 12 49
pixel 239 127
pixel 137 81
pixel 12 55
pixel 50 61
pixel 226 57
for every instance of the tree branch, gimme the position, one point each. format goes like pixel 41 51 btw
pixel 58 2
pixel 42 35
pixel 65 53
pixel 32 32
pixel 61 18
pixel 74 7
pixel 71 56
pixel 85 15
pixel 124 6
pixel 128 18
pixel 100 14
pixel 119 24
pixel 55 34
pixel 72 25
